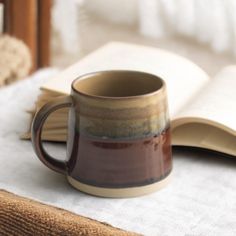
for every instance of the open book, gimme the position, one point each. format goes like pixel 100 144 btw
pixel 202 109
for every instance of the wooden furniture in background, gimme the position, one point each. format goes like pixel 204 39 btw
pixel 29 20
pixel 44 24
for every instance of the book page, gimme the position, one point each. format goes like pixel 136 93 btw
pixel 216 103
pixel 184 79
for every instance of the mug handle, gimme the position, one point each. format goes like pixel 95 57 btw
pixel 36 132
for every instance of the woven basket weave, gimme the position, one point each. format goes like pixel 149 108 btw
pixel 15 59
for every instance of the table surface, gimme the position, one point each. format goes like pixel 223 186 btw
pixel 199 201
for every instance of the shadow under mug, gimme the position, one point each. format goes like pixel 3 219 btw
pixel 118 142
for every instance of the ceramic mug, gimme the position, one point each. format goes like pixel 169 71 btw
pixel 119 142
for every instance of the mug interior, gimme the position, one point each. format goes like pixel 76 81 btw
pixel 117 84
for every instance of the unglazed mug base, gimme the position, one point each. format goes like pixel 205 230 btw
pixel 119 192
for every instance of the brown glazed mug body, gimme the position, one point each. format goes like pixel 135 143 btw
pixel 118 141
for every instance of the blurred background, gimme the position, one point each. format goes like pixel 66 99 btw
pixel 203 31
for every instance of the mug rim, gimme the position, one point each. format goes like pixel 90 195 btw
pixel 90 74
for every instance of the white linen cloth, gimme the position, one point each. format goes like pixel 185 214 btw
pixel 200 200
pixel 210 22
